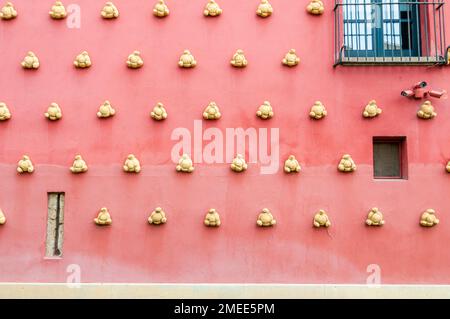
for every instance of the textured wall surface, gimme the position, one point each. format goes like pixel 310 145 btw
pixel 183 250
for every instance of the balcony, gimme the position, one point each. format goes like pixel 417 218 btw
pixel 390 32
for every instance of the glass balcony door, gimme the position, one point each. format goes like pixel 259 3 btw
pixel 381 28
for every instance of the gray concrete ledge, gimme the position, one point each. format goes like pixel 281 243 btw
pixel 273 291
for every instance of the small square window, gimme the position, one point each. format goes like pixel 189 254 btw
pixel 389 158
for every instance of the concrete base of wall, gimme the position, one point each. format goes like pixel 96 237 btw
pixel 273 291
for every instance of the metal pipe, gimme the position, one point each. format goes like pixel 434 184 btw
pixel 435 34
pixel 447 50
pixel 427 40
pixel 409 32
pixel 365 28
pixel 335 33
pixel 358 42
pixel 441 37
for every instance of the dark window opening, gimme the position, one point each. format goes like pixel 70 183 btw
pixel 55 225
pixel 389 158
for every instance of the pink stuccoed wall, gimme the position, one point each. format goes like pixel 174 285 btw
pixel 184 250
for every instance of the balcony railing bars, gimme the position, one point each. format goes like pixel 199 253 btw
pixel 390 32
